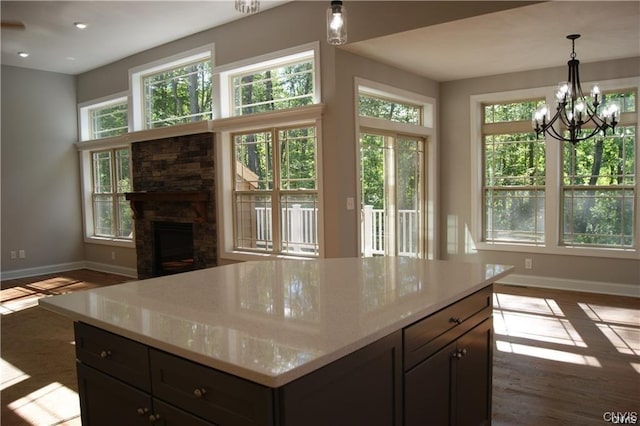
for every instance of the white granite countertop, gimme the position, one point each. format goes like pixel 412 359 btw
pixel 272 322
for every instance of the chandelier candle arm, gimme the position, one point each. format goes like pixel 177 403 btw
pixel 574 109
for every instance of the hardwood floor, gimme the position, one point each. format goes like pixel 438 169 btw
pixel 564 358
pixel 560 358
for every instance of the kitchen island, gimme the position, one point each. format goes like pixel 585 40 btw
pixel 375 341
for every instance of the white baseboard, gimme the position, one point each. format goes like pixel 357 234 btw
pixel 572 285
pixel 62 267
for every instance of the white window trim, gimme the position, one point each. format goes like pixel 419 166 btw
pixel 553 180
pixel 137 74
pixel 85 108
pixel 85 150
pixel 428 130
pixel 224 128
pixel 222 91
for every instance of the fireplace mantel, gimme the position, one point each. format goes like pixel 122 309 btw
pixel 197 199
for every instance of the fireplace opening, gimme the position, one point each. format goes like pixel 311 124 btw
pixel 173 248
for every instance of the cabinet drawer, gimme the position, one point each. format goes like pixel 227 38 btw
pixel 117 356
pixel 432 333
pixel 211 394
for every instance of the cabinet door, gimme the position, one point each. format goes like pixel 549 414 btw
pixel 473 376
pixel 168 415
pixel 428 390
pixel 107 401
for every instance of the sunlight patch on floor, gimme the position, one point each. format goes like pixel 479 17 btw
pixel 625 339
pixel 611 314
pixel 10 374
pixel 532 305
pixel 50 405
pixel 548 354
pixel 536 327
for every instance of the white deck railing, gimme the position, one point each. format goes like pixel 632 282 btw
pixel 300 225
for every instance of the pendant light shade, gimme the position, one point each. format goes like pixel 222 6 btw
pixel 336 23
pixel 247 6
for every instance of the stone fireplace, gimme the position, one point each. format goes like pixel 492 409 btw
pixel 173 199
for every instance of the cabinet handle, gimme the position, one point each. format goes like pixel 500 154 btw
pixel 455 320
pixel 463 352
pixel 105 354
pixel 143 411
pixel 154 418
pixel 199 392
pixel 459 354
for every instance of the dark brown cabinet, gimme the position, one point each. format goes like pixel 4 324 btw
pixel 434 371
pixel 451 385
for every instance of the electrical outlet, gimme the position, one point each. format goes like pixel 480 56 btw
pixel 528 263
pixel 22 254
pixel 113 255
pixel 351 203
pixel 13 255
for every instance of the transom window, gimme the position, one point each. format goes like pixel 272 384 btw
pixel 514 174
pixel 275 192
pixel 173 91
pixel 281 86
pixel 111 180
pixel 103 119
pixel 178 95
pixel 392 110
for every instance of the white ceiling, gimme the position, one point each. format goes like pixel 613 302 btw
pixel 529 37
pixel 526 38
pixel 116 29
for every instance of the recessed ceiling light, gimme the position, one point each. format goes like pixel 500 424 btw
pixel 23 54
pixel 80 25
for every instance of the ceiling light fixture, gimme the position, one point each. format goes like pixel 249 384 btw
pixel 23 54
pixel 576 113
pixel 247 6
pixel 80 25
pixel 336 23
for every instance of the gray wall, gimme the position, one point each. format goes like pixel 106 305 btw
pixel 455 180
pixel 40 174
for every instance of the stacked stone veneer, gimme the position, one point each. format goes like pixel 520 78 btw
pixel 175 164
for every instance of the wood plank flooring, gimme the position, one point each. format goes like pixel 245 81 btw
pixel 560 358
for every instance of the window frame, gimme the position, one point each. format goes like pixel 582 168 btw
pixel 137 75
pixel 426 130
pixel 276 193
pixel 86 109
pixel 225 125
pixel 223 91
pixel 554 170
pixel 86 150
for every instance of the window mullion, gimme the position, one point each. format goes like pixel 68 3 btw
pixel 276 210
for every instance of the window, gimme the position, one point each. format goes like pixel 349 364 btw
pixel 278 81
pixel 550 196
pixel 378 107
pixel 111 179
pixel 391 174
pixel 275 193
pixel 279 87
pixel 103 119
pixel 173 91
pixel 514 174
pixel 598 187
pixel 393 154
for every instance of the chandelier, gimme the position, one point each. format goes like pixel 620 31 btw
pixel 247 6
pixel 336 23
pixel 580 116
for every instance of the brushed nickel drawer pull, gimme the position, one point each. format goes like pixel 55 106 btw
pixel 105 354
pixel 199 392
pixel 154 418
pixel 455 320
pixel 143 411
